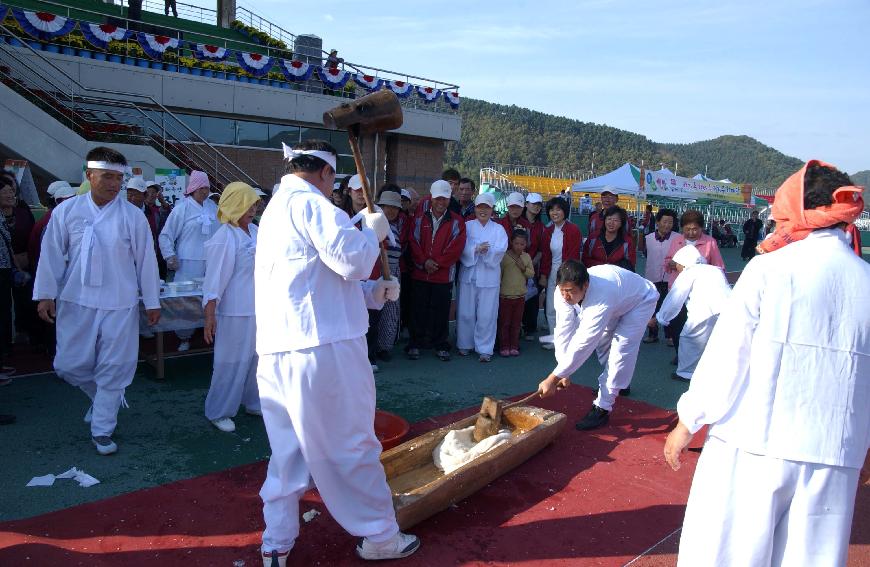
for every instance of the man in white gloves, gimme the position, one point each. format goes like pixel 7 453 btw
pixel 316 386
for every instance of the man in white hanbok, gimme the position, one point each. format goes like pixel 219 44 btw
pixel 97 258
pixel 228 302
pixel 479 281
pixel 604 310
pixel 785 388
pixel 704 290
pixel 316 385
pixel 191 223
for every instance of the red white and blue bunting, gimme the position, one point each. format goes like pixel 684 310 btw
pixel 43 25
pixel 428 94
pixel 254 63
pixel 204 52
pixel 333 77
pixel 295 71
pixel 99 35
pixel 156 45
pixel 368 82
pixel 401 88
pixel 452 98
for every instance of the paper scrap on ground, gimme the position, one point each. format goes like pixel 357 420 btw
pixel 310 515
pixel 458 447
pixel 84 479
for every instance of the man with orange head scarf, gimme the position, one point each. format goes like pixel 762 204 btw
pixel 785 386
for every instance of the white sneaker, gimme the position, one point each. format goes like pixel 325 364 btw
pixel 547 342
pixel 275 559
pixel 89 414
pixel 402 545
pixel 184 346
pixel 548 346
pixel 375 368
pixel 225 424
pixel 104 445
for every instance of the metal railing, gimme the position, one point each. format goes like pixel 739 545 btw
pixel 251 18
pixel 109 115
pixel 185 11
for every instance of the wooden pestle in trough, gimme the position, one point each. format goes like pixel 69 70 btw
pixel 489 419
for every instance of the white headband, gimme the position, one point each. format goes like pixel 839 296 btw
pixel 290 153
pixel 107 165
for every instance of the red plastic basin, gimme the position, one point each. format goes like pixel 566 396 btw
pixel 390 428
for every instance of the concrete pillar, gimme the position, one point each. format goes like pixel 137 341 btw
pixel 226 12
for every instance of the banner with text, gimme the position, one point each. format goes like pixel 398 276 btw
pixel 660 184
pixel 173 182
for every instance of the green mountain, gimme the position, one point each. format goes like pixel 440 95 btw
pixel 862 178
pixel 500 134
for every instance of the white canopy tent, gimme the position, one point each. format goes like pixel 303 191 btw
pixel 622 181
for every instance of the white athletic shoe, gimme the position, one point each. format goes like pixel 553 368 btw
pixel 402 545
pixel 104 445
pixel 89 414
pixel 547 342
pixel 225 424
pixel 184 346
pixel 275 559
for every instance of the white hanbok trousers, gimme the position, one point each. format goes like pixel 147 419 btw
pixel 752 510
pixel 693 341
pixel 617 352
pixel 319 409
pixel 187 270
pixel 97 351
pixel 476 318
pixel 234 374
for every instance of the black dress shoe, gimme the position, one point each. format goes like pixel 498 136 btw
pixel 679 378
pixel 443 355
pixel 414 353
pixel 596 417
pixel 625 391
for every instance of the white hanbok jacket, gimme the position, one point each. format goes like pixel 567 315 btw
pixel 483 270
pixel 787 370
pixel 187 229
pixel 309 265
pixel 101 258
pixel 612 293
pixel 229 271
pixel 704 290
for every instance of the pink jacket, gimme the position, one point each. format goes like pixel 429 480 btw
pixel 706 245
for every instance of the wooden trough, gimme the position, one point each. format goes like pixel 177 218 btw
pixel 420 490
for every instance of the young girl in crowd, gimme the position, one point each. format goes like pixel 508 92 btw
pixel 516 269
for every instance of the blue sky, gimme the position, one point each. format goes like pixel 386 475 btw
pixel 795 75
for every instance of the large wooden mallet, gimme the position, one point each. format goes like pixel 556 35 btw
pixel 376 112
pixel 489 419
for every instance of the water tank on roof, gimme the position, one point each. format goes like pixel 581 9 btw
pixel 309 48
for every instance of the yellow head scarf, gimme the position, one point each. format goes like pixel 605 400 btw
pixel 236 199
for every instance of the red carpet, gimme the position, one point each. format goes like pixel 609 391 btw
pixel 600 498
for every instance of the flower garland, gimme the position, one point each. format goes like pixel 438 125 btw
pixel 204 52
pixel 156 45
pixel 428 94
pixel 43 25
pixel 368 82
pixel 99 35
pixel 254 63
pixel 401 88
pixel 333 77
pixel 295 71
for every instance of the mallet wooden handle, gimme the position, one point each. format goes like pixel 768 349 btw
pixel 367 195
pixel 521 402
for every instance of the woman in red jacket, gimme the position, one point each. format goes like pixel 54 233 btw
pixel 560 243
pixel 532 215
pixel 611 246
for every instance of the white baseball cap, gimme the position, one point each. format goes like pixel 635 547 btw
pixel 406 194
pixel 485 199
pixel 516 199
pixel 355 183
pixel 441 188
pixel 137 184
pixel 534 198
pixel 61 190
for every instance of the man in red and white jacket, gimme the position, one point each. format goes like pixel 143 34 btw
pixel 437 240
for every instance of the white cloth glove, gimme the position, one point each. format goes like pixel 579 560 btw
pixel 386 290
pixel 172 263
pixel 378 223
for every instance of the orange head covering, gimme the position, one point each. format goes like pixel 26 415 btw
pixel 793 223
